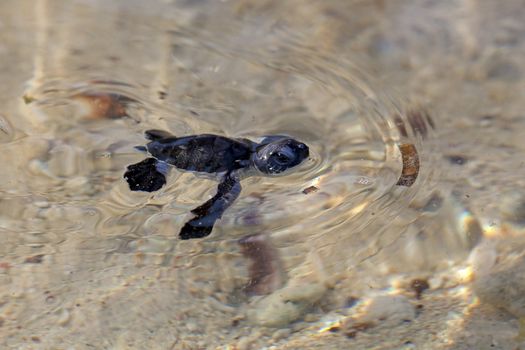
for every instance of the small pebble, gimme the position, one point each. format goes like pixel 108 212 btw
pixel 353 328
pixel 310 189
pixel 192 327
pixel 286 305
pixel 50 299
pixel 457 159
pixel 244 343
pixel 6 130
pixel 28 99
pixel 487 120
pixel 393 309
pixel 351 301
pixel 35 259
pixel 63 318
pixel 41 204
pixel 310 318
pixel 281 334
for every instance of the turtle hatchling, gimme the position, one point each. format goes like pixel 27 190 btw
pixel 229 159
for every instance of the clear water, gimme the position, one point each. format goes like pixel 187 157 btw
pixel 86 263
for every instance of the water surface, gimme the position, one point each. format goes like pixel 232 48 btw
pixel 89 264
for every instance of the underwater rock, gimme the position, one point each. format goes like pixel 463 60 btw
pixel 392 309
pixel 286 305
pixel 504 286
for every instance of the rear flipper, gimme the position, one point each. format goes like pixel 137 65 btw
pixel 209 212
pixel 148 175
pixel 155 135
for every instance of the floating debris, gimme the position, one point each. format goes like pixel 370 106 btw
pixel 310 189
pixel 410 165
pixel 103 105
pixel 266 274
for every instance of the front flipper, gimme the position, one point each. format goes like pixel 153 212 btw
pixel 209 212
pixel 148 175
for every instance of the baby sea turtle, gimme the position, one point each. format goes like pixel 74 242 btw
pixel 229 159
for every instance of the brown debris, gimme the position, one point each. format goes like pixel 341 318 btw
pixel 355 328
pixel 310 189
pixel 162 95
pixel 265 269
pixel 103 105
pixel 419 285
pixel 410 165
pixel 35 259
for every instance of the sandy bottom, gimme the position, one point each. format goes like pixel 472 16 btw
pixel 454 280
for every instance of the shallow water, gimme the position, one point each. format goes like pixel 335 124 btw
pixel 86 263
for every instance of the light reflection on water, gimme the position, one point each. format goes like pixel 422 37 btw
pixel 111 263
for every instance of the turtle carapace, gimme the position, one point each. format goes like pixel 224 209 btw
pixel 229 159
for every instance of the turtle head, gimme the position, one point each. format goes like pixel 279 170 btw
pixel 279 155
